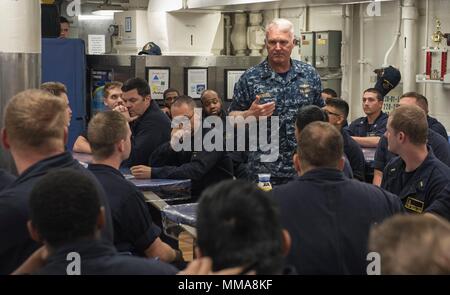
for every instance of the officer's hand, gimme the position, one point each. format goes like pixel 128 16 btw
pixel 141 171
pixel 203 266
pixel 259 110
pixel 124 111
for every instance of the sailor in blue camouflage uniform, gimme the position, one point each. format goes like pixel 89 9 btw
pixel 279 86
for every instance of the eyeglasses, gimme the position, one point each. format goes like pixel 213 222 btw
pixel 331 113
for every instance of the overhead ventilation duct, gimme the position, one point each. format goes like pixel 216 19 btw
pixel 254 5
pixel 209 3
pixel 181 32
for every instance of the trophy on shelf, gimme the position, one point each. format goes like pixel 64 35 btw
pixel 436 57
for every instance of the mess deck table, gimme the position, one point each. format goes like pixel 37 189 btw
pixel 182 217
pixel 160 193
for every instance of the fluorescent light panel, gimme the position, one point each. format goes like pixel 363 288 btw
pixel 94 17
pixel 106 12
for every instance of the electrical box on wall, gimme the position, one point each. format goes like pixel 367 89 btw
pixel 133 31
pixel 322 50
pixel 328 49
pixel 307 48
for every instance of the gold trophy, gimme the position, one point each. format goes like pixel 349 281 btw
pixel 436 56
pixel 437 36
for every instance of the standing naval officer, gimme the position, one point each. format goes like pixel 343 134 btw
pixel 278 86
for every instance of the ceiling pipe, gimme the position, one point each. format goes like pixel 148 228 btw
pixel 362 61
pixel 397 35
pixel 427 38
pixel 346 52
pixel 409 18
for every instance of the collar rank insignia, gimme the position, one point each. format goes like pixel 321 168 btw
pixel 414 205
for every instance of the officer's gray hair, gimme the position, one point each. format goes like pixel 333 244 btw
pixel 282 24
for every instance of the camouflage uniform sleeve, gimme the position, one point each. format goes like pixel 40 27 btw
pixel 317 89
pixel 241 96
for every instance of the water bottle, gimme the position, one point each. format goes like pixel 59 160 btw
pixel 264 182
pixel 97 101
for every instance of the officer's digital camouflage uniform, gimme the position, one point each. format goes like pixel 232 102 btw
pixel 301 86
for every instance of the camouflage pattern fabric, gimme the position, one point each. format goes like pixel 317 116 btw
pixel 301 86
